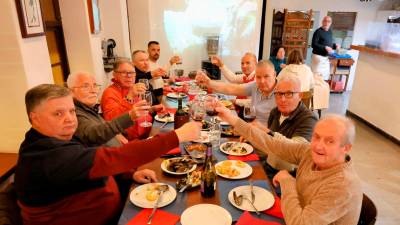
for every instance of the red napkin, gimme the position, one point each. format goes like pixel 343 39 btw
pixel 160 218
pixel 170 110
pixel 246 218
pixel 174 151
pixel 180 79
pixel 250 157
pixel 275 210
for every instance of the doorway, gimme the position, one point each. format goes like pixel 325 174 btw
pixel 55 40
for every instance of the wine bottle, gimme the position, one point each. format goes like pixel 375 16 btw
pixel 180 117
pixel 209 176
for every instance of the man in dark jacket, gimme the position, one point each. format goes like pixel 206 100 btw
pixel 61 181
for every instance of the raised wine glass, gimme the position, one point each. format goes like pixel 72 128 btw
pixel 145 82
pixel 249 113
pixel 148 97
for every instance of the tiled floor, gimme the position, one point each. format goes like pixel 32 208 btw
pixel 377 162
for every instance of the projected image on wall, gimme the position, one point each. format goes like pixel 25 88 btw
pixel 182 27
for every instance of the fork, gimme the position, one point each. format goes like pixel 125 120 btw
pixel 253 196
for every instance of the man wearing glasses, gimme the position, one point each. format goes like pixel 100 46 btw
pixel 291 119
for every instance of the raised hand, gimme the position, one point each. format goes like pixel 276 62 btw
pixel 175 59
pixel 137 89
pixel 216 60
pixel 158 72
pixel 226 115
pixel 202 78
pixel 139 109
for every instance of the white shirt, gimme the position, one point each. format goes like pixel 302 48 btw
pixel 232 77
pixel 157 82
pixel 303 72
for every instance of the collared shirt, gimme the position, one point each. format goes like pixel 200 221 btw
pixel 238 79
pixel 263 104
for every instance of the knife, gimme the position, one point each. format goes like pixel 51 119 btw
pixel 155 207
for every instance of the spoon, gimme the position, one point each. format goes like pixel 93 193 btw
pixel 238 199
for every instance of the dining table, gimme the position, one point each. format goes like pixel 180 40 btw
pixel 193 196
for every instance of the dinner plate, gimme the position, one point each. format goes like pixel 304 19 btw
pixel 226 171
pixel 263 200
pixel 204 137
pixel 168 119
pixel 138 196
pixel 164 165
pixel 249 148
pixel 175 95
pixel 209 214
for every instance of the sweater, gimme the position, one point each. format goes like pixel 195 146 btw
pixel 63 182
pixel 303 72
pixel 93 130
pixel 298 126
pixel 320 39
pixel 315 197
pixel 277 63
pixel 114 104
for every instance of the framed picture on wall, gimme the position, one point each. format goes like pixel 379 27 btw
pixel 94 16
pixel 30 18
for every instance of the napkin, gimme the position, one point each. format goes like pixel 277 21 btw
pixel 180 79
pixel 245 158
pixel 161 217
pixel 246 218
pixel 275 210
pixel 174 151
pixel 170 110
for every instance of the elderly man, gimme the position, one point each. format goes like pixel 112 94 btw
pixel 140 60
pixel 153 49
pixel 291 118
pixel 326 189
pixel 248 65
pixel 261 91
pixel 60 181
pixel 322 45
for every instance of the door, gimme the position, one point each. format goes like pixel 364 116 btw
pixel 55 40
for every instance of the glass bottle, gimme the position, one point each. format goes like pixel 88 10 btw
pixel 209 176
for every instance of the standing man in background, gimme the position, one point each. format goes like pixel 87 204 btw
pixel 322 45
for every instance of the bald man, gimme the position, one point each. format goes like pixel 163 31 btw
pixel 322 45
pixel 248 66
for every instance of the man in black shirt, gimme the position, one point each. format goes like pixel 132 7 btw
pixel 322 45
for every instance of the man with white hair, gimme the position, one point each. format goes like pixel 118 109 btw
pixel 326 189
pixel 322 45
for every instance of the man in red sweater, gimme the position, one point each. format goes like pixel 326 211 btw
pixel 61 181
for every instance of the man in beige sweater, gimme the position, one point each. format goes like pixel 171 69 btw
pixel 326 189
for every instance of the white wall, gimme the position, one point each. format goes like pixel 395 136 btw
pixel 25 63
pixel 375 92
pixel 139 9
pixel 83 48
pixel 366 12
pixel 114 23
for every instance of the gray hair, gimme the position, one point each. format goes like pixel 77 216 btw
pixel 41 93
pixel 134 53
pixel 121 61
pixel 252 55
pixel 350 129
pixel 71 80
pixel 292 78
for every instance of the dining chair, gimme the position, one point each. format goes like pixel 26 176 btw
pixel 368 212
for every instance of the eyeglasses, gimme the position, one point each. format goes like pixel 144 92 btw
pixel 88 87
pixel 126 73
pixel 288 94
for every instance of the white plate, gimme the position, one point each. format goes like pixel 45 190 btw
pixel 165 163
pixel 244 172
pixel 168 119
pixel 204 137
pixel 206 214
pixel 138 196
pixel 263 201
pixel 249 148
pixel 175 95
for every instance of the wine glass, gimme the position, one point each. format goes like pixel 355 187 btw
pixel 145 82
pixel 211 102
pixel 149 99
pixel 197 111
pixel 249 113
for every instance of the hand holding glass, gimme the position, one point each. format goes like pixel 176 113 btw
pixel 249 113
pixel 148 97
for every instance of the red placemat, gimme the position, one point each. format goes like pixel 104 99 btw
pixel 275 210
pixel 160 218
pixel 250 157
pixel 174 151
pixel 246 218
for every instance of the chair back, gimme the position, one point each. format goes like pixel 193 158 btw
pixel 368 212
pixel 307 99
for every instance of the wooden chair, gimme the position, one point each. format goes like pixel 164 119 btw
pixel 307 99
pixel 368 212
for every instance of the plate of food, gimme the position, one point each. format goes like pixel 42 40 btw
pixel 165 117
pixel 204 137
pixel 233 169
pixel 236 148
pixel 146 195
pixel 178 165
pixel 263 201
pixel 192 180
pixel 196 150
pixel 176 95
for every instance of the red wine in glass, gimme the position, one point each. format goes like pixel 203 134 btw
pixel 249 118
